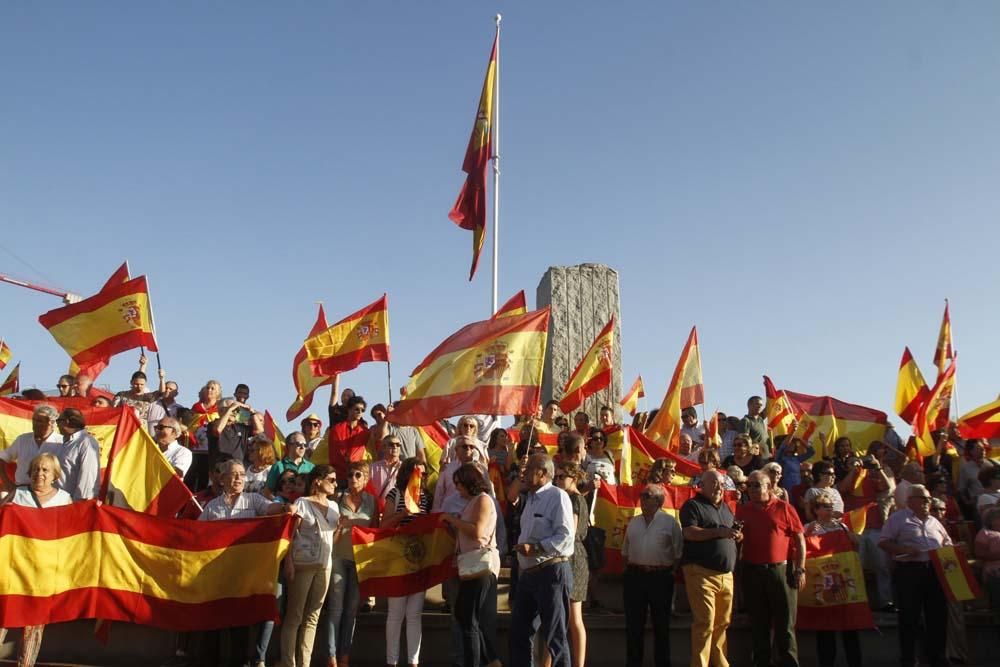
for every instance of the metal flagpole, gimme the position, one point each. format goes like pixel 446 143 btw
pixel 496 168
pixel 388 373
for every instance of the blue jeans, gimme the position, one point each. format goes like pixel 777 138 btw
pixel 267 627
pixel 342 607
pixel 544 593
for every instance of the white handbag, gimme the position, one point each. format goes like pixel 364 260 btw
pixel 479 562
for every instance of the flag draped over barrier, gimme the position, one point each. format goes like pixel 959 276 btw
pixel 87 560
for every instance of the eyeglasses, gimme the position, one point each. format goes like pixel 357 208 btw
pixel 393 444
pixel 298 444
pixel 62 386
pixel 160 427
pixel 357 474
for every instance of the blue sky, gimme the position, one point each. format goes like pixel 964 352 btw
pixel 806 184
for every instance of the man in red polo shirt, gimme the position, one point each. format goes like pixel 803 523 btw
pixel 770 528
pixel 348 438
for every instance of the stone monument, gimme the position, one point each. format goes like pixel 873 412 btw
pixel 583 299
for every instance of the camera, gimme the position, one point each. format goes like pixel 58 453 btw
pixel 869 463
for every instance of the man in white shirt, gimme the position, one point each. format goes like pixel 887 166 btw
pixel 546 543
pixel 165 433
pixel 42 438
pixel 79 456
pixel 911 473
pixel 653 544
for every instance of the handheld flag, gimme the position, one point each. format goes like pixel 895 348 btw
pixel 393 562
pixel 593 372
pixel 686 389
pixel 469 211
pixel 274 434
pixel 12 384
pixel 97 366
pixel 911 389
pixel 491 367
pixel 359 337
pixel 983 422
pixel 956 577
pixel 516 305
pixel 834 597
pixel 929 415
pixel 5 354
pixel 302 376
pixel 781 416
pixel 944 353
pixel 631 400
pixel 411 495
pixel 111 321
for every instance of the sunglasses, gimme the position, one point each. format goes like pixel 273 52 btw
pixel 357 474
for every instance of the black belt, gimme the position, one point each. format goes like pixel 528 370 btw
pixel 767 566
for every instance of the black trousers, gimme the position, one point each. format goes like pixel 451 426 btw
pixel 772 604
pixel 919 594
pixel 826 648
pixel 476 611
pixel 652 593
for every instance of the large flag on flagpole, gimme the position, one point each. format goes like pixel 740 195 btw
pixel 492 367
pixel 516 305
pixel 943 352
pixel 96 367
pixel 360 337
pixel 111 321
pixel 630 402
pixel 929 414
pixel 469 211
pixel 911 389
pixel 686 389
pixel 593 373
pixel 302 376
pixel 12 384
pixel 983 422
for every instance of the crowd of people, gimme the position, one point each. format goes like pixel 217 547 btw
pixel 737 543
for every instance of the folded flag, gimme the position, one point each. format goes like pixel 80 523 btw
pixel 834 597
pixel 110 563
pixel 956 577
pixel 393 562
pixel 360 337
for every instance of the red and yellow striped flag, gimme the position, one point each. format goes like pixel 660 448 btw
pixel 469 211
pixel 492 367
pixel 593 373
pixel 12 384
pixel 516 305
pixel 943 352
pixel 956 577
pixel 97 366
pixel 983 422
pixel 359 337
pixel 834 418
pixel 109 563
pixel 15 419
pixel 111 321
pixel 435 439
pixel 856 519
pixel 834 597
pixel 638 454
pixel 137 475
pixel 274 434
pixel 781 416
pixel 411 494
pixel 911 389
pixel 5 354
pixel 302 376
pixel 686 389
pixel 929 414
pixel 393 562
pixel 630 402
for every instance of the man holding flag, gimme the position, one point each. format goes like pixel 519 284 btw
pixel 909 535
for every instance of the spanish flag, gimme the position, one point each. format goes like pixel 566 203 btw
pixel 469 211
pixel 857 519
pixel 631 400
pixel 781 416
pixel 393 562
pixel 12 384
pixel 686 389
pixel 492 367
pixel 547 436
pixel 302 376
pixel 109 563
pixel 359 337
pixel 111 321
pixel 834 597
pixel 274 434
pixel 956 577
pixel 435 439
pixel 137 475
pixel 943 352
pixel 911 389
pixel 5 354
pixel 929 414
pixel 593 373
pixel 983 422
pixel 15 419
pixel 97 366
pixel 516 305
pixel 638 454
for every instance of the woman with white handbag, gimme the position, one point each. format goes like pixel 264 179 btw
pixel 307 566
pixel 478 567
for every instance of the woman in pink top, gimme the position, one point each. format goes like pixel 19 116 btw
pixel 476 603
pixel 988 551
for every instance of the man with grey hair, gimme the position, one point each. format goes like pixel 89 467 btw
pixel 710 539
pixel 42 439
pixel 652 544
pixel 543 551
pixel 909 535
pixel 165 433
pixel 79 456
